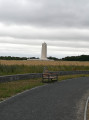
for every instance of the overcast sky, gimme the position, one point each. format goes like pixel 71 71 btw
pixel 26 24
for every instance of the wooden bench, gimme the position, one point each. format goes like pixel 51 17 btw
pixel 49 76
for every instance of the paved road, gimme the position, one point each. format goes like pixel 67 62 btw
pixel 56 101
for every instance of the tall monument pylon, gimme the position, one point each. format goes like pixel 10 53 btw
pixel 44 51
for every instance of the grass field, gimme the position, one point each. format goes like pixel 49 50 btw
pixel 10 67
pixel 44 63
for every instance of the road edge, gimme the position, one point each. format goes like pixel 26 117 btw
pixel 86 107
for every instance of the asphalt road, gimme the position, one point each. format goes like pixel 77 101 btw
pixel 56 101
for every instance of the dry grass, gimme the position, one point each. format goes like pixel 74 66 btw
pixel 10 67
pixel 35 62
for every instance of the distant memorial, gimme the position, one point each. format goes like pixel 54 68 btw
pixel 44 51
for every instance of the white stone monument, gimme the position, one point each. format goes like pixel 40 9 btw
pixel 44 51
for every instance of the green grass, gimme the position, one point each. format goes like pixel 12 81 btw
pixel 12 88
pixel 21 69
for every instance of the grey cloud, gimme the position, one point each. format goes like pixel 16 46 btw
pixel 34 33
pixel 70 13
pixel 56 45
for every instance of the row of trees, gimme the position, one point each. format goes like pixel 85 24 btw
pixel 69 58
pixel 72 58
pixel 12 58
pixel 77 58
pixel 53 58
pixel 16 58
pixel 23 58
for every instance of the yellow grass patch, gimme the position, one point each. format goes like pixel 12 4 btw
pixel 45 63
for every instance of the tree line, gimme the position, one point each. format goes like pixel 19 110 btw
pixel 76 58
pixel 12 58
pixel 68 58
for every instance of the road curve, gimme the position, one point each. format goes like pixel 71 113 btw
pixel 56 101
